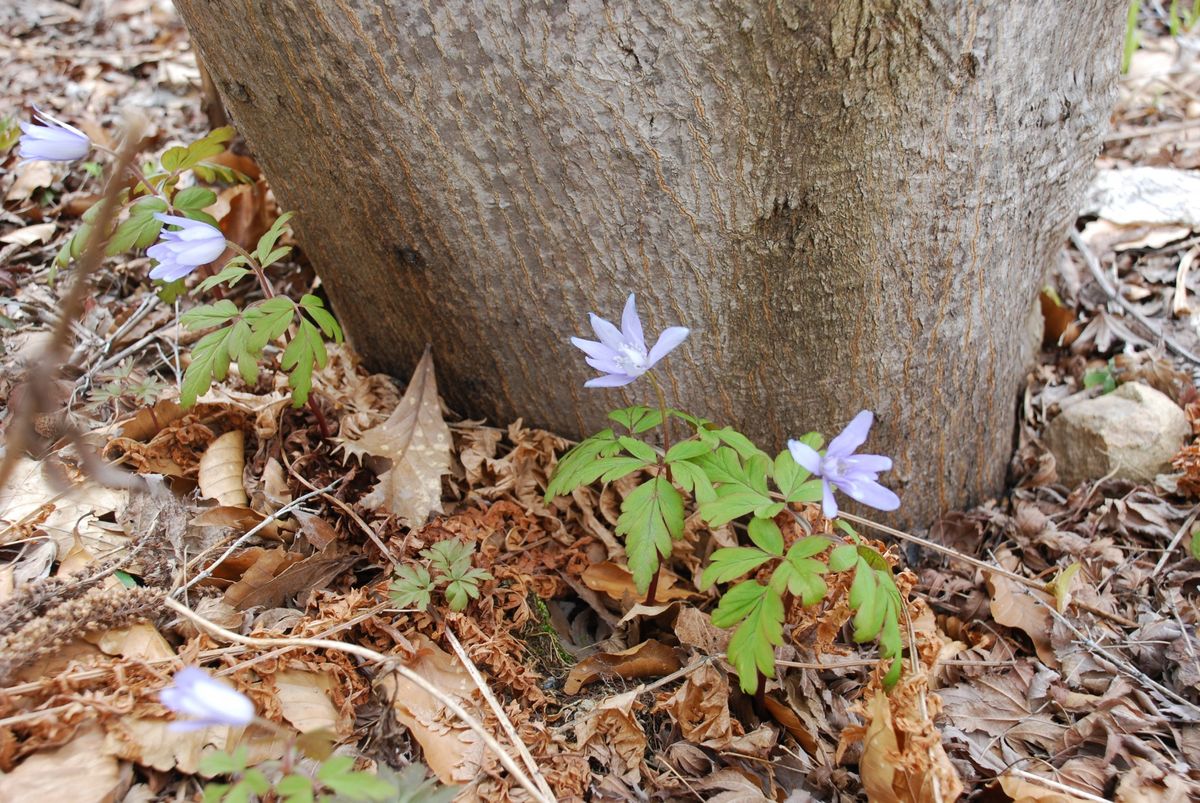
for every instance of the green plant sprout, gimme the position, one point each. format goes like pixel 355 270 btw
pixel 450 561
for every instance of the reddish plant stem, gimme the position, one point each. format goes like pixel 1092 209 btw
pixel 653 589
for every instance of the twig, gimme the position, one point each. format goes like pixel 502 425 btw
pixel 1098 274
pixel 278 514
pixel 1166 555
pixel 1151 130
pixel 982 566
pixel 348 510
pixel 513 737
pixel 1061 787
pixel 684 672
pixel 388 663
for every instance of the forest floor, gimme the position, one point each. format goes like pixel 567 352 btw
pixel 1073 675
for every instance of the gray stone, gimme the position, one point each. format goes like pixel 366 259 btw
pixel 1131 433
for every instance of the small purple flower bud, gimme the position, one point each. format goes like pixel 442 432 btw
pixel 855 475
pixel 205 702
pixel 52 140
pixel 180 252
pixel 621 355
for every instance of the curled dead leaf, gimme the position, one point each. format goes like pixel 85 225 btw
pixel 649 659
pixel 616 581
pixel 221 468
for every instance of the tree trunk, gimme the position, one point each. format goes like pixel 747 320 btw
pixel 852 203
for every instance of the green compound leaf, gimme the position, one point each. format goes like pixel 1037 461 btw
pixel 140 229
pixel 464 587
pixel 210 363
pixel 209 315
pixel 266 243
pixel 593 459
pixel 650 518
pixel 743 445
pixel 338 775
pixel 693 479
pixel 1196 543
pixel 412 587
pixel 219 762
pixel 800 574
pixel 730 563
pixel 637 418
pixel 741 489
pixel 302 355
pixel 182 157
pixel 687 450
pixel 234 271
pixel 751 650
pixel 877 607
pixel 315 309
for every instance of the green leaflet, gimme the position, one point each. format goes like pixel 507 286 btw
pixel 637 419
pixel 730 563
pixel 651 516
pixel 751 650
pixel 741 489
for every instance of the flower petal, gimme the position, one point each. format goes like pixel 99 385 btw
pixel 631 325
pixel 177 220
pixel 605 365
pixel 667 341
pixel 805 456
pixel 828 504
pixel 852 437
pixel 591 348
pixel 609 381
pixel 609 335
pixel 873 463
pixel 875 495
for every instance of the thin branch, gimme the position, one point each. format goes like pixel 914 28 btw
pixel 278 514
pixel 389 663
pixel 501 717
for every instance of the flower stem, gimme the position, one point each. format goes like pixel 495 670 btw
pixel 261 275
pixel 666 430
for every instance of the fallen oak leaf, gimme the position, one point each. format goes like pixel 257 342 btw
pixel 417 441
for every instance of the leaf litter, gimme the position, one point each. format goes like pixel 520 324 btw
pixel 1080 681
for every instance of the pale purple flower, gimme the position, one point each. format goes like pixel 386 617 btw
pixel 205 701
pixel 621 354
pixel 180 252
pixel 52 140
pixel 855 475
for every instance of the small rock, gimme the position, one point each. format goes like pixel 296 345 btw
pixel 1131 433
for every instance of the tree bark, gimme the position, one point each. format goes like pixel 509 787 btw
pixel 852 203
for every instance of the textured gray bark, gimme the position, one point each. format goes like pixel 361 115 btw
pixel 852 203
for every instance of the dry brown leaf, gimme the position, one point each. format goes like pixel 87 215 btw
pixel 221 468
pixel 1013 605
pixel 611 735
pixel 999 706
pixel 453 751
pixel 294 580
pixel 616 581
pixel 894 770
pixel 1022 790
pixel 34 500
pixel 647 660
pixel 151 743
pixel 37 233
pixel 81 771
pixel 734 786
pixel 701 707
pixel 416 440
pixel 304 698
